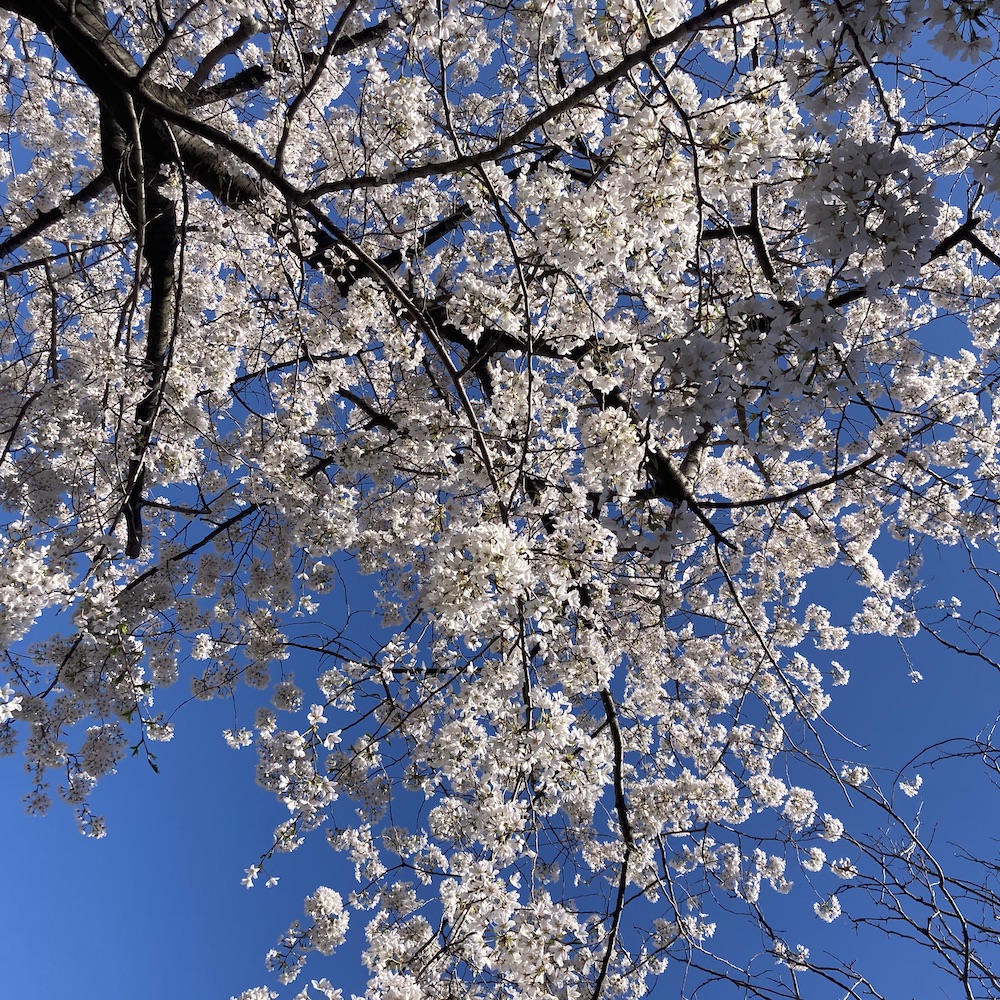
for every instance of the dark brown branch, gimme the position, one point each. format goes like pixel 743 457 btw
pixel 136 150
pixel 757 238
pixel 254 77
pixel 247 80
pixel 625 825
pixel 247 29
pixel 91 190
pixel 991 255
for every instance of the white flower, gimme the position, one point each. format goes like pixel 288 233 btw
pixel 800 807
pixel 237 738
pixel 316 716
pixel 203 647
pixel 162 732
pixel 328 991
pixel 854 774
pixel 767 789
pixel 10 704
pixel 252 872
pixel 330 921
pixel 828 911
pixel 796 958
pixel 287 696
pixel 265 722
pixel 838 674
pixel 844 869
pixel 833 829
pixel 910 788
pixel 815 860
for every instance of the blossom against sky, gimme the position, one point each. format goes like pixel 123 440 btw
pixel 159 905
pixel 593 333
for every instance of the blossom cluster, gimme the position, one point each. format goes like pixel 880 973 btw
pixel 591 340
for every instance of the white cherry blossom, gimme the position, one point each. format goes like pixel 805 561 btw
pixel 491 402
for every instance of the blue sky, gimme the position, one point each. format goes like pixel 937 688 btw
pixel 156 908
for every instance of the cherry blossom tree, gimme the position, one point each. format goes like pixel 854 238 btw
pixel 598 335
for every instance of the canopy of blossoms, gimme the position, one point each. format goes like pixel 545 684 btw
pixel 591 333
